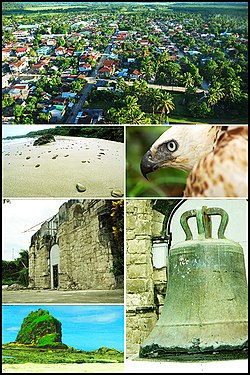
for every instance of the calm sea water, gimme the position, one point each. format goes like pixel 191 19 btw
pixel 16 141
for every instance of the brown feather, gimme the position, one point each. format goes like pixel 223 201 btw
pixel 223 172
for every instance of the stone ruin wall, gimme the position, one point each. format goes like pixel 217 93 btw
pixel 145 285
pixel 83 233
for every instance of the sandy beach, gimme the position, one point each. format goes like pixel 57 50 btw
pixel 55 169
pixel 63 367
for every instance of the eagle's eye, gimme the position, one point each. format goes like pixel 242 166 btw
pixel 172 145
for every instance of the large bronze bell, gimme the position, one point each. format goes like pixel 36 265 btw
pixel 205 308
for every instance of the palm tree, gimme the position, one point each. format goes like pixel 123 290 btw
pixel 215 94
pixel 133 111
pixel 22 263
pixel 147 71
pixel 188 80
pixel 164 57
pixel 165 104
pixel 232 89
pixel 121 84
pixel 140 87
pixel 44 116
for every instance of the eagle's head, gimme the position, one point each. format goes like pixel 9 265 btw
pixel 181 146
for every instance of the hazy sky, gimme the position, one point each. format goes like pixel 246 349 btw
pixel 86 327
pixel 10 130
pixel 19 216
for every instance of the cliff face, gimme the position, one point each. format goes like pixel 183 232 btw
pixel 41 329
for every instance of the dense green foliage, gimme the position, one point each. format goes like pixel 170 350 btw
pixel 16 271
pixel 22 354
pixel 115 133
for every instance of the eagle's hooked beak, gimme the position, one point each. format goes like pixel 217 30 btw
pixel 147 165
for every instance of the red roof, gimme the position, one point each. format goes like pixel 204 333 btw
pixel 17 64
pixel 61 49
pixel 21 49
pixel 108 62
pixel 19 87
pixel 87 65
pixel 136 72
pixel 105 69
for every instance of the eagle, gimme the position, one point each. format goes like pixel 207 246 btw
pixel 215 156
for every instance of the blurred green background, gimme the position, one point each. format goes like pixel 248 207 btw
pixel 166 182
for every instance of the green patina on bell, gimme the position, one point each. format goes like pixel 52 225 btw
pixel 206 304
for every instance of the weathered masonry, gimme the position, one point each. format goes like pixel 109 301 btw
pixel 145 285
pixel 76 249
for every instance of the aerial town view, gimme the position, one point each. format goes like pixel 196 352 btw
pixel 124 63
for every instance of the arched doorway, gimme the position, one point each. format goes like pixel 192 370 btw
pixel 54 266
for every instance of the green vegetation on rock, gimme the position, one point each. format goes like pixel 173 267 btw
pixel 40 329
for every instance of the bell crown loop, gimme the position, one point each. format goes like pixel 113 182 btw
pixel 204 222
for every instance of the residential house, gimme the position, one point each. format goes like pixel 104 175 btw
pixel 143 42
pixel 31 27
pixel 78 53
pixel 6 53
pixel 108 68
pixel 44 50
pixel 81 76
pixel 41 65
pixel 70 51
pixel 57 112
pixel 21 51
pixel 18 66
pixel 61 51
pixel 135 74
pixel 5 80
pixel 54 68
pixel 123 73
pixel 51 42
pixel 19 91
pixel 60 100
pixel 71 77
pixel 131 60
pixel 105 72
pixel 75 37
pixel 84 67
pixel 20 34
pixel 37 67
pixel 68 95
